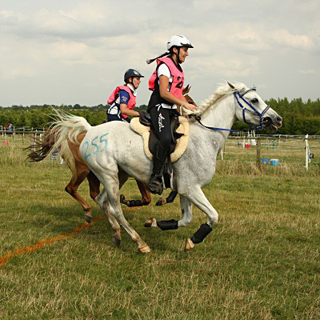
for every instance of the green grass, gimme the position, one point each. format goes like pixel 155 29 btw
pixel 260 262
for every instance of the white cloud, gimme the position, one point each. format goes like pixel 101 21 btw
pixel 70 52
pixel 285 38
pixel 307 71
pixel 82 45
pixel 230 67
pixel 10 15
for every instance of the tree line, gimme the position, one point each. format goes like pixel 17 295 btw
pixel 299 117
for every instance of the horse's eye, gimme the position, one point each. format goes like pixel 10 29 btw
pixel 255 100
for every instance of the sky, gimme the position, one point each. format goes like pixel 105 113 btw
pixel 76 52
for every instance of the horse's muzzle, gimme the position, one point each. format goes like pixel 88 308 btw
pixel 274 123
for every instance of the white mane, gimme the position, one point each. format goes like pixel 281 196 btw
pixel 222 91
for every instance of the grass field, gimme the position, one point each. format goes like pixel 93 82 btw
pixel 260 262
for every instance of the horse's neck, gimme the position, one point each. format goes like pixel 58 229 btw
pixel 221 116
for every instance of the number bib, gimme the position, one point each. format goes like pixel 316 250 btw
pixel 177 76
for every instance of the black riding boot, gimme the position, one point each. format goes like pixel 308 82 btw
pixel 155 184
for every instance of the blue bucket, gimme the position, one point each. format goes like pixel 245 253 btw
pixel 274 162
pixel 265 160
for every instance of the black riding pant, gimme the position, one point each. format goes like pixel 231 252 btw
pixel 160 119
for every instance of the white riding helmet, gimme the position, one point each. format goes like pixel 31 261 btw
pixel 174 41
pixel 179 41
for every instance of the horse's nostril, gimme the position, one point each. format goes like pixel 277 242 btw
pixel 279 119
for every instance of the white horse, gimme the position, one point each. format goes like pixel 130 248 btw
pixel 114 152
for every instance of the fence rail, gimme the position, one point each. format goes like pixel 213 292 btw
pixel 302 150
pixel 20 135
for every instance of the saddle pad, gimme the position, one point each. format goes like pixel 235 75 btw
pixel 182 142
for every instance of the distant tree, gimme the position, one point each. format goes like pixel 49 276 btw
pixel 299 117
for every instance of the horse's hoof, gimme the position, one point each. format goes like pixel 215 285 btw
pixel 145 250
pixel 116 241
pixel 152 222
pixel 161 202
pixel 189 245
pixel 88 218
pixel 124 201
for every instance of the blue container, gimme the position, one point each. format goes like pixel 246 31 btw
pixel 265 160
pixel 274 162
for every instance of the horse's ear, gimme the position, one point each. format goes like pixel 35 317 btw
pixel 186 89
pixel 231 85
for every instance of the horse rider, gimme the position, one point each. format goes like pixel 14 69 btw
pixel 123 98
pixel 167 84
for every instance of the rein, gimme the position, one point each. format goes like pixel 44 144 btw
pixel 238 96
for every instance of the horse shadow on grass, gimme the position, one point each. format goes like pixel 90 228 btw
pixel 60 219
pixel 63 220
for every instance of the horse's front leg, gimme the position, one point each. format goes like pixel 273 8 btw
pixel 197 197
pixel 186 208
pixel 169 199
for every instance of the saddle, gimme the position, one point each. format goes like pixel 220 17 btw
pixel 179 135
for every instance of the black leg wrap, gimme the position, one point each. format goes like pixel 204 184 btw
pixel 167 224
pixel 135 203
pixel 172 196
pixel 203 231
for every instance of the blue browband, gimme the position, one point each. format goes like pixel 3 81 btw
pixel 239 97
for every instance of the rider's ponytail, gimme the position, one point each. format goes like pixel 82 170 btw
pixel 162 55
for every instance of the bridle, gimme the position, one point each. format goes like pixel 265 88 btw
pixel 240 97
pixel 255 111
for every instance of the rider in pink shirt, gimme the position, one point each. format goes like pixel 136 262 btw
pixel 123 98
pixel 166 83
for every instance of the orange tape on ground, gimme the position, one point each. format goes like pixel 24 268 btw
pixel 42 243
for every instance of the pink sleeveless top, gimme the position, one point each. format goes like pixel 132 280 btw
pixel 176 74
pixel 114 95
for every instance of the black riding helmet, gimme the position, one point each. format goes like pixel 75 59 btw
pixel 131 73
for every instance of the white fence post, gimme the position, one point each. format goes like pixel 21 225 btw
pixel 307 152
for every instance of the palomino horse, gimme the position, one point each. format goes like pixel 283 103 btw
pixel 69 151
pixel 113 157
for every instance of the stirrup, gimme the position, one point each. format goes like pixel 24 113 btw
pixel 155 185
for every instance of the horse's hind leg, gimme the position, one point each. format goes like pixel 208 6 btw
pixel 146 197
pixel 72 189
pixel 80 171
pixel 102 201
pixel 94 185
pixel 111 184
